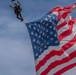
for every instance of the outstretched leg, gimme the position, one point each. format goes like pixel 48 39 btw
pixel 18 16
pixel 21 17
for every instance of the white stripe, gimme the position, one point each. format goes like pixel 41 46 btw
pixel 62 12
pixel 68 18
pixel 74 28
pixel 56 13
pixel 59 67
pixel 71 71
pixel 63 29
pixel 54 58
pixel 60 22
pixel 67 39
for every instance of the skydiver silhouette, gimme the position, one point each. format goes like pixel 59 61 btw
pixel 17 9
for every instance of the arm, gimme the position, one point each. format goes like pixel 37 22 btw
pixel 11 6
pixel 18 2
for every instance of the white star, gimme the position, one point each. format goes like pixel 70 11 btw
pixel 38 30
pixel 47 43
pixel 36 54
pixel 42 38
pixel 41 21
pixel 34 47
pixel 37 41
pixel 43 33
pixel 35 24
pixel 38 25
pixel 29 26
pixel 53 17
pixel 56 17
pixel 34 28
pixel 39 36
pixel 36 34
pixel 55 35
pixel 46 30
pixel 46 19
pixel 47 36
pixel 49 16
pixel 54 28
pixel 43 28
pixel 45 46
pixel 37 48
pixel 34 40
pixel 50 20
pixel 56 41
pixel 51 38
pixel 47 24
pixel 32 33
pixel 51 32
pixel 42 44
pixel 53 23
pixel 40 50
pixel 50 27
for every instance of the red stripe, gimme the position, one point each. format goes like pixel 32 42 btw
pixel 59 62
pixel 56 9
pixel 64 34
pixel 72 21
pixel 65 69
pixel 68 7
pixel 59 16
pixel 69 31
pixel 65 14
pixel 54 52
pixel 61 25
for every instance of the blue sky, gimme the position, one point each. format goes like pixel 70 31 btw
pixel 16 54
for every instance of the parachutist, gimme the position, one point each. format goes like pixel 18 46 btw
pixel 17 10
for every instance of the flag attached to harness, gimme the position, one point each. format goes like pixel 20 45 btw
pixel 54 41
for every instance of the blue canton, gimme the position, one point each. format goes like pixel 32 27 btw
pixel 43 33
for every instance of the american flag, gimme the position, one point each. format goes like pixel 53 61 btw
pixel 54 41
